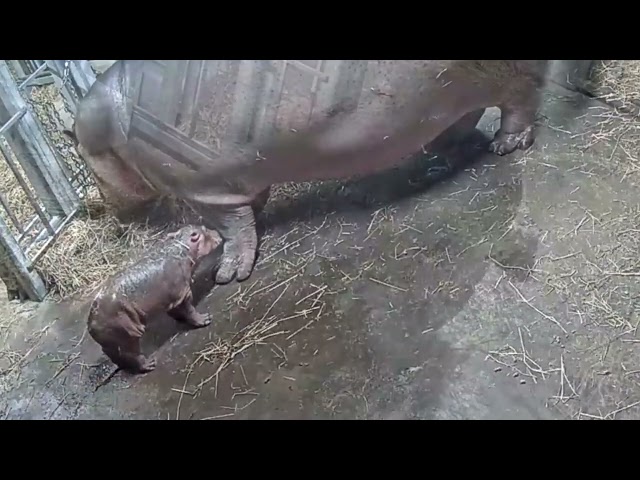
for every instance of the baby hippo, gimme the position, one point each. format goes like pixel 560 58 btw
pixel 158 282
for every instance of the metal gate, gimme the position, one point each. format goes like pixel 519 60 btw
pixel 39 193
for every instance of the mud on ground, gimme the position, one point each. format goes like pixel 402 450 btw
pixel 470 286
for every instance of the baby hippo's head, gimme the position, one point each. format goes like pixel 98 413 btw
pixel 198 239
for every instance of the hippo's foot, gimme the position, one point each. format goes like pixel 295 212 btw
pixel 517 124
pixel 240 247
pixel 193 318
pixel 127 356
pixel 146 365
pixel 202 320
pixel 237 261
pixel 505 143
pixel 136 364
pixel 199 320
pixel 186 313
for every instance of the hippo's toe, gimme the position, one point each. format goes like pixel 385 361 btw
pixel 148 366
pixel 505 143
pixel 237 261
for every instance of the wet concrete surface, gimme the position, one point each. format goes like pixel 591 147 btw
pixel 381 306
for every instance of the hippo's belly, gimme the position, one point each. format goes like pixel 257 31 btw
pixel 202 124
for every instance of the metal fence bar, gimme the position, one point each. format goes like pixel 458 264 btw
pixel 320 76
pixel 13 120
pixel 53 197
pixel 33 160
pixel 18 67
pixel 79 79
pixel 32 64
pixel 34 152
pixel 13 267
pixel 271 80
pixel 27 191
pixel 82 75
pixel 12 216
pixel 59 226
pixel 246 97
pixel 32 76
pixel 28 228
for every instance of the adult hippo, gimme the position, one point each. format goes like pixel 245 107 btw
pixel 218 133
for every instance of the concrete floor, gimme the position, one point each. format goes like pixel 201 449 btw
pixel 428 308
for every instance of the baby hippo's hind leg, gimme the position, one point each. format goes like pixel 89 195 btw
pixel 186 313
pixel 127 355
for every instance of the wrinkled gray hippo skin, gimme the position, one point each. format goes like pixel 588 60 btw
pixel 399 107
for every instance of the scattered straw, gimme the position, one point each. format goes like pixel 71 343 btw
pixel 269 325
pixel 592 262
pixel 616 81
pixel 222 352
pixel 12 361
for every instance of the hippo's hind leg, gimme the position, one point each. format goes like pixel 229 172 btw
pixel 119 185
pixel 458 132
pixel 463 127
pixel 261 200
pixel 517 124
pixel 186 313
pixel 127 355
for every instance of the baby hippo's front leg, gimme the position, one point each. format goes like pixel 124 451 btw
pixel 186 313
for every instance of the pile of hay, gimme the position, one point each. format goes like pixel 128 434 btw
pixel 93 246
pixel 617 83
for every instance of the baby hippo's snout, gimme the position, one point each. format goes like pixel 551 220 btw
pixel 199 240
pixel 206 241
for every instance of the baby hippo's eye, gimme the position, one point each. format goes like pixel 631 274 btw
pixel 195 236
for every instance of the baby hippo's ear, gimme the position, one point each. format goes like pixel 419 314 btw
pixel 195 237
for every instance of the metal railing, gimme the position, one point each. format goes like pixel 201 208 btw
pixel 38 197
